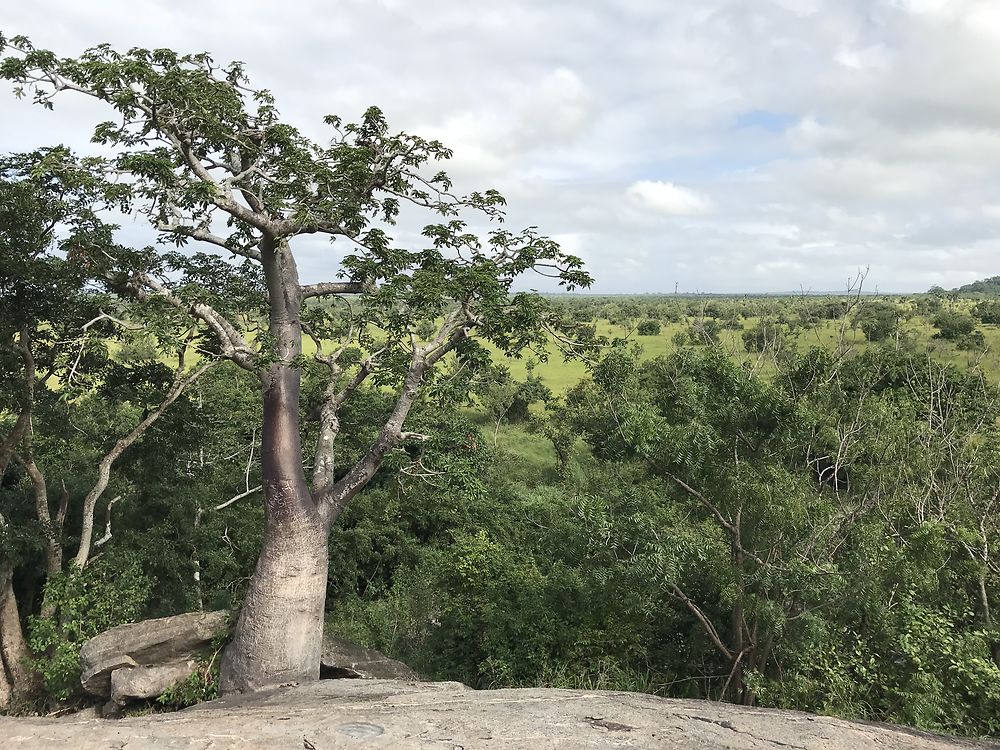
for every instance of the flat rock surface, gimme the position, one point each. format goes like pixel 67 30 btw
pixel 446 715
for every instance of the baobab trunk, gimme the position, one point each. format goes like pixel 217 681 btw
pixel 279 634
pixel 278 637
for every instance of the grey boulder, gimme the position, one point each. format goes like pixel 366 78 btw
pixel 343 659
pixel 132 683
pixel 164 642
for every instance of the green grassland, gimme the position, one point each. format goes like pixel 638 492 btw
pixel 561 374
pixel 914 327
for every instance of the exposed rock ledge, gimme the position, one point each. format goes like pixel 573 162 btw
pixel 446 715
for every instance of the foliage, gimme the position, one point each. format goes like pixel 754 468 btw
pixel 987 311
pixel 765 336
pixel 704 331
pixel 201 685
pixel 648 328
pixel 988 287
pixel 108 592
pixel 878 320
pixel 954 324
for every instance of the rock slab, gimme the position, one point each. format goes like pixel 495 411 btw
pixel 131 683
pixel 164 642
pixel 334 714
pixel 343 659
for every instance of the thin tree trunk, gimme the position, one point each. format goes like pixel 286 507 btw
pixel 181 382
pixel 17 677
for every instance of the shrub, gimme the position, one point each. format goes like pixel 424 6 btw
pixel 971 341
pixel 705 331
pixel 766 335
pixel 106 593
pixel 953 324
pixel 877 320
pixel 988 311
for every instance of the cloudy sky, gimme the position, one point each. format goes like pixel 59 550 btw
pixel 707 145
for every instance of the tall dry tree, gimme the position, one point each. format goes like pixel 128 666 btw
pixel 208 160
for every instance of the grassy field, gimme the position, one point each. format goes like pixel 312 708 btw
pixel 560 375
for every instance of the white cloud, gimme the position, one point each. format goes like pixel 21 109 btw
pixel 667 198
pixel 791 141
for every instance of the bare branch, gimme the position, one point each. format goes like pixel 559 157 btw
pixel 107 523
pixel 181 381
pixel 238 497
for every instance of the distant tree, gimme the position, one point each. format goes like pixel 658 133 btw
pixel 989 287
pixel 988 311
pixel 953 324
pixel 648 328
pixel 705 331
pixel 765 336
pixel 532 391
pixel 877 320
pixel 927 305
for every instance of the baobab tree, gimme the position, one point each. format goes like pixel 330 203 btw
pixel 208 160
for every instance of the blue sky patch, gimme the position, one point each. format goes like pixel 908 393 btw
pixel 774 122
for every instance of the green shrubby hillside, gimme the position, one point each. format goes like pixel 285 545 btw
pixel 792 516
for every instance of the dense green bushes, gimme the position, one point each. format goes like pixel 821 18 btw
pixel 722 548
pixel 108 592
pixel 819 537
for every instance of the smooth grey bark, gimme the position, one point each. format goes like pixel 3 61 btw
pixel 16 676
pixel 278 636
pixel 279 632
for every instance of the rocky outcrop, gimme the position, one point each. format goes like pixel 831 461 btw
pixel 142 659
pixel 343 659
pixel 134 683
pixel 332 714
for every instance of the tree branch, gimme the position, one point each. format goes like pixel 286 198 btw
pixel 233 345
pixel 706 624
pixel 204 235
pixel 181 381
pixel 240 496
pixel 332 287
